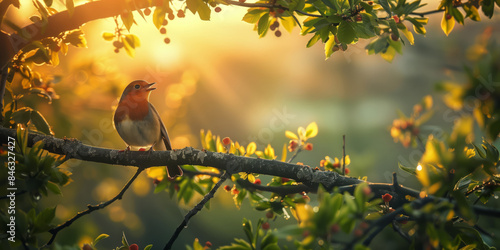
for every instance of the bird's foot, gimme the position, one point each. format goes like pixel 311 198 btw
pixel 124 150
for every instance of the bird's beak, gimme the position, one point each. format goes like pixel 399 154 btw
pixel 149 87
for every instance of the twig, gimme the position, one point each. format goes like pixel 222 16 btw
pixel 3 83
pixel 294 155
pixel 195 210
pixel 400 231
pixel 343 154
pixel 17 194
pixel 92 208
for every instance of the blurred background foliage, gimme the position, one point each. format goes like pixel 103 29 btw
pixel 219 75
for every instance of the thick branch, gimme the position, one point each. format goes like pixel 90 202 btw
pixel 74 149
pixel 92 208
pixel 60 22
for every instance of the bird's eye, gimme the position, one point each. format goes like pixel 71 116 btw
pixel 137 86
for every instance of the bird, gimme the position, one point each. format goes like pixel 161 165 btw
pixel 139 124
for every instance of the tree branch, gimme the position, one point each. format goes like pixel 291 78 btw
pixel 3 82
pixel 92 208
pixel 60 22
pixel 74 149
pixel 195 210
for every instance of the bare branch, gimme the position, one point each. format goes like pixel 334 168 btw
pixel 195 210
pixel 92 208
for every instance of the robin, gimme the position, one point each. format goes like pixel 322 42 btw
pixel 139 124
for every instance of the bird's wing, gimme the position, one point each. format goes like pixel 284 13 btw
pixel 163 130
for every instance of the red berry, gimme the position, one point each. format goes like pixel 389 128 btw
pixel 165 22
pixel 235 191
pixel 306 233
pixel 118 44
pixel 448 16
pixel 394 37
pixel 167 40
pixel 269 214
pixel 133 247
pixel 227 188
pixel 181 14
pixel 387 197
pixel 396 19
pixel 292 145
pixel 336 165
pixel 171 16
pixel 335 228
pixel 258 181
pixel 163 30
pixel 208 244
pixel 367 191
pixel 266 225
pixel 347 171
pixel 277 33
pixel 358 233
pixel 147 11
pixel 117 50
pixel 217 9
pixel 308 146
pixel 226 141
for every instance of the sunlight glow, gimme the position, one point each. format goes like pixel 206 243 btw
pixel 419 167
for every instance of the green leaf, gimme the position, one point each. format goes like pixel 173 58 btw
pixel 44 218
pixel 488 7
pixel 70 5
pixel 472 12
pixel 263 25
pixel 159 16
pixel 99 238
pixel 314 39
pixel 148 247
pixel 40 123
pixel 204 11
pixel 48 2
pixel 288 23
pixel 346 33
pixel 253 15
pixel 329 45
pixel 269 239
pixel 412 171
pixel 54 188
pixel 406 33
pixel 447 24
pixel 124 240
pixel 457 15
pixel 247 228
pixel 76 38
pixel 385 5
pixel 193 5
pixel 108 36
pixel 127 19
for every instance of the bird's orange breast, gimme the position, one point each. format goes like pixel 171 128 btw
pixel 132 108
